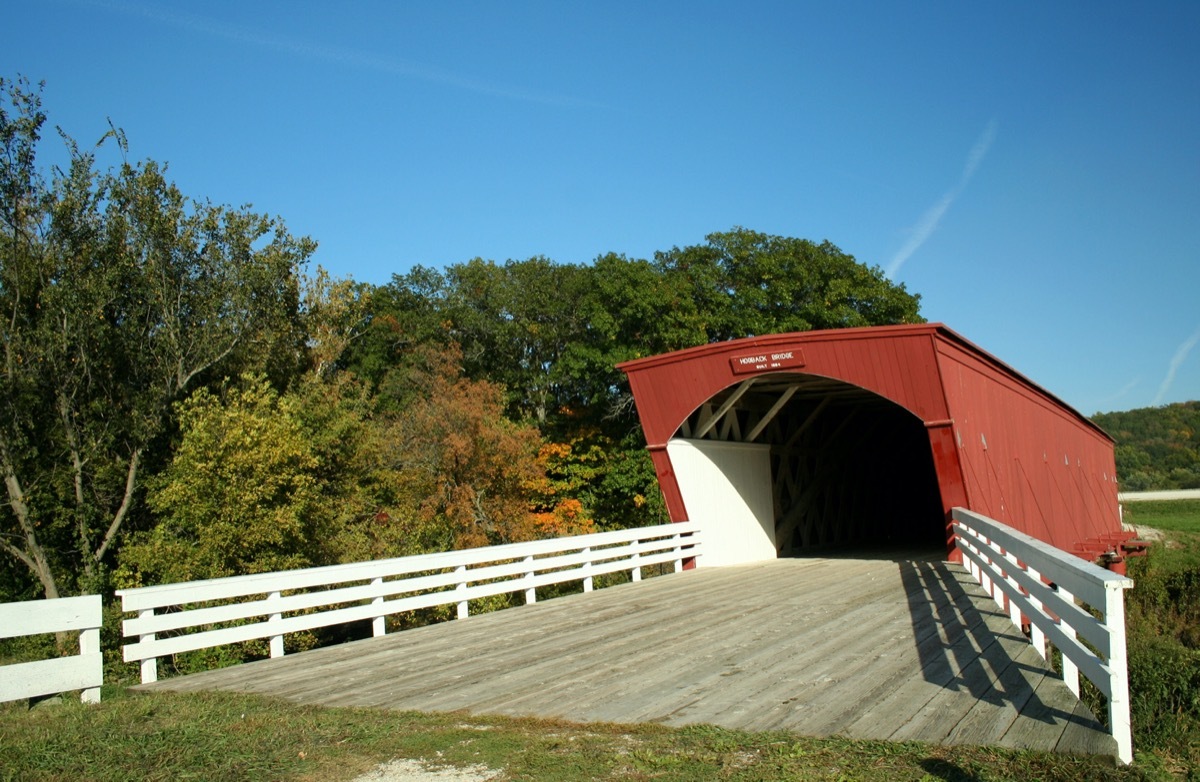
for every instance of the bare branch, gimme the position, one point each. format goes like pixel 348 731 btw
pixel 123 511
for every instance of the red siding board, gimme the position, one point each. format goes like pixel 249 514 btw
pixel 1001 445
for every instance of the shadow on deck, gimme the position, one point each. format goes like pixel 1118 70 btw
pixel 875 647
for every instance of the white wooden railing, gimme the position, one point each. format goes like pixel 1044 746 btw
pixel 84 671
pixel 1046 585
pixel 175 618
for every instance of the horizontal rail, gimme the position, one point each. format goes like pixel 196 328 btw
pixel 1041 584
pixel 270 605
pixel 84 671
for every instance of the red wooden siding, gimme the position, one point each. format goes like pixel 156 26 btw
pixel 1028 460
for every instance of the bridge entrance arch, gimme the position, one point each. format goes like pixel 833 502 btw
pixel 867 436
pixel 803 463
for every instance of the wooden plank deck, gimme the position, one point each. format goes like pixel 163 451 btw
pixel 870 647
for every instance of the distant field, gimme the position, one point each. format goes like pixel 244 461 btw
pixel 1177 515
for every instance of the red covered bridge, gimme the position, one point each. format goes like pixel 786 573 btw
pixel 869 436
pixel 814 443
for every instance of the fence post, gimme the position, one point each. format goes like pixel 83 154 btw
pixel 531 592
pixel 1118 703
pixel 587 569
pixel 1036 636
pixel 1014 610
pixel 379 623
pixel 679 552
pixel 461 589
pixel 150 665
pixel 89 643
pixel 635 573
pixel 276 640
pixel 1070 669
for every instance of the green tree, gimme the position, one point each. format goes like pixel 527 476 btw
pixel 240 494
pixel 1156 447
pixel 515 323
pixel 119 296
pixel 747 283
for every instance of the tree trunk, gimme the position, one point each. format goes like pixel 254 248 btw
pixel 33 555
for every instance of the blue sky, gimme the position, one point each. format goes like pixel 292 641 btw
pixel 1031 169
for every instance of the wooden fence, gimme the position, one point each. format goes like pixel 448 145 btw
pixel 175 618
pixel 84 671
pixel 1045 586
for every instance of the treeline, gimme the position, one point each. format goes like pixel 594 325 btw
pixel 1157 447
pixel 180 400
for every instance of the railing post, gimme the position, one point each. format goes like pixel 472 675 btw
pixel 1118 703
pixel 1070 669
pixel 676 538
pixel 461 589
pixel 985 551
pixel 379 623
pixel 150 665
pixel 1036 636
pixel 1014 610
pixel 635 573
pixel 531 592
pixel 587 570
pixel 89 643
pixel 276 640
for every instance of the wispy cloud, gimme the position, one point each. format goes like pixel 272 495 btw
pixel 978 153
pixel 166 14
pixel 1177 360
pixel 1103 405
pixel 933 216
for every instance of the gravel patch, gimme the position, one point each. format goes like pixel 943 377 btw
pixel 419 771
pixel 1143 533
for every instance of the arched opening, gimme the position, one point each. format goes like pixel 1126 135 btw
pixel 848 468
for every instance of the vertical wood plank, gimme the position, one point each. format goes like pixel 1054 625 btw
pixel 461 588
pixel 379 623
pixel 89 644
pixel 149 666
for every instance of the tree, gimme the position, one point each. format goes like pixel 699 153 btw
pixel 240 494
pixel 515 323
pixel 119 296
pixel 1156 447
pixel 747 283
pixel 469 473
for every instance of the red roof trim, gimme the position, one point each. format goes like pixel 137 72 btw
pixel 935 330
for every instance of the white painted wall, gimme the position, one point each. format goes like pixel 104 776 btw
pixel 726 489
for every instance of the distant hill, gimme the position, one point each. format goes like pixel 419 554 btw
pixel 1157 447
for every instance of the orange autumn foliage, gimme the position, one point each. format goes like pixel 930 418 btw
pixel 470 470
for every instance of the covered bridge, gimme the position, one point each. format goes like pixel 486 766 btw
pixel 789 443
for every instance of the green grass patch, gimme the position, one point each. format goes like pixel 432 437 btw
pixel 221 736
pixel 1176 515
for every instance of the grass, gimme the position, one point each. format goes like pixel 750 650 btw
pixel 1173 515
pixel 220 736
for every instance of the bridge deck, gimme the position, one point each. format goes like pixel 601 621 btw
pixel 882 648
